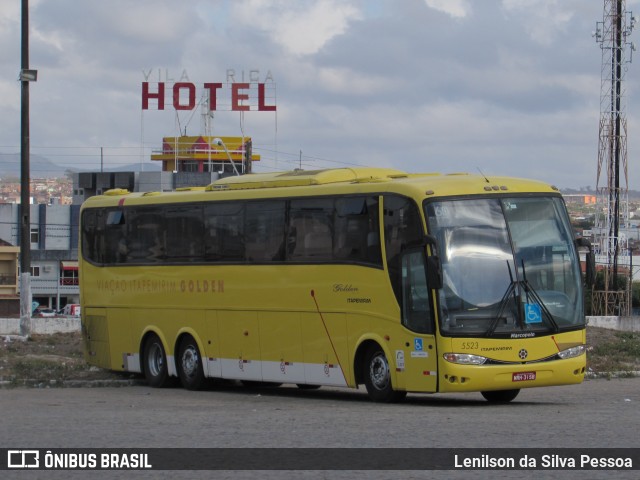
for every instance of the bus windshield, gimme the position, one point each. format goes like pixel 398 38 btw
pixel 509 267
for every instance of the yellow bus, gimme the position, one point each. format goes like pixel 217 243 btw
pixel 340 277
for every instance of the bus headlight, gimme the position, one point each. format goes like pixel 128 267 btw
pixel 572 352
pixel 464 358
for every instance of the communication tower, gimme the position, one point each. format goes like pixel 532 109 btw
pixel 612 34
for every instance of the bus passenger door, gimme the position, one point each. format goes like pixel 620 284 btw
pixel 417 362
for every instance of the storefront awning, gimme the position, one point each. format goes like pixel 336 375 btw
pixel 69 265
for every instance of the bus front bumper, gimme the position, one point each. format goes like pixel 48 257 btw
pixel 475 378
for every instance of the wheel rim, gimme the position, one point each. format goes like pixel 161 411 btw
pixel 156 359
pixel 190 361
pixel 379 371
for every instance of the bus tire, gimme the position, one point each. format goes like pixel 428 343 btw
pixel 500 396
pixel 189 364
pixel 155 362
pixel 377 377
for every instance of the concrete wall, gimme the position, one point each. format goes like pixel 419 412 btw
pixel 625 324
pixel 57 234
pixel 155 182
pixel 41 325
pixel 8 225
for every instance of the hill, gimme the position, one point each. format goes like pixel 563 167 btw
pixel 42 167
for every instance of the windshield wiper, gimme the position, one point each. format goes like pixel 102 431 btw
pixel 511 290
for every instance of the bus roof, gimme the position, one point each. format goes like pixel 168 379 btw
pixel 331 181
pixel 297 178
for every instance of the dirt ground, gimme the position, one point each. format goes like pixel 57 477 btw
pixel 51 361
pixel 57 360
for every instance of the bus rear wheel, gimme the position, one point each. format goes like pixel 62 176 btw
pixel 190 368
pixel 377 377
pixel 500 396
pixel 155 362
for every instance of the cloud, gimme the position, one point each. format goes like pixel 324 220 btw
pixel 301 27
pixel 454 8
pixel 543 20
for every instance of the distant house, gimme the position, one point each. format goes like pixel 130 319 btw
pixel 9 294
pixel 582 199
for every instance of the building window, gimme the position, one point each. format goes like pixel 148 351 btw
pixel 35 271
pixel 35 234
pixel 189 166
pixel 69 273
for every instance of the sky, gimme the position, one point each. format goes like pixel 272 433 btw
pixel 505 87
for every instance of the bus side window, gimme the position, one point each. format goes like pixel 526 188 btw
pixel 310 235
pixel 146 235
pixel 113 236
pixel 224 232
pixel 92 235
pixel 357 231
pixel 185 230
pixel 265 231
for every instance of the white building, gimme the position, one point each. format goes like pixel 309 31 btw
pixel 54 250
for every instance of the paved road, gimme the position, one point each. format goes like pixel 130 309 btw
pixel 598 413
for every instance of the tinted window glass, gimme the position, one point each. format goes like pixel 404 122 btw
pixel 327 229
pixel 145 240
pixel 357 230
pixel 416 310
pixel 224 232
pixel 90 234
pixel 402 227
pixel 101 239
pixel 310 234
pixel 184 233
pixel 264 231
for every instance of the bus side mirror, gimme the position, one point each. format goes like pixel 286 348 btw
pixel 590 261
pixel 434 272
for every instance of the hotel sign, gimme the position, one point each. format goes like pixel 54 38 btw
pixel 230 95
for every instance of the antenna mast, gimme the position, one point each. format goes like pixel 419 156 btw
pixel 612 34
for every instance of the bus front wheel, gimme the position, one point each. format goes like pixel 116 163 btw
pixel 155 362
pixel 377 377
pixel 190 368
pixel 500 396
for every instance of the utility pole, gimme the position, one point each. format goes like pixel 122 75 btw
pixel 617 24
pixel 26 76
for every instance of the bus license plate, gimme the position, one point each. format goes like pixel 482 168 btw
pixel 523 376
